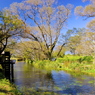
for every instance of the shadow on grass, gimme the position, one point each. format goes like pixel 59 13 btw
pixel 4 91
pixel 1 74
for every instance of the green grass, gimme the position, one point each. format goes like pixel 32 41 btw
pixel 7 88
pixel 68 63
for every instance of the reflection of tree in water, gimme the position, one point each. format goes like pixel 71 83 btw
pixel 30 77
pixel 48 75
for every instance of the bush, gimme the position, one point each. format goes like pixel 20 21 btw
pixel 86 59
pixel 68 63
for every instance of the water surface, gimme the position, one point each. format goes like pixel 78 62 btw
pixel 58 82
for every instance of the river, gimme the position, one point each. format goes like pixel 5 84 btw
pixel 31 80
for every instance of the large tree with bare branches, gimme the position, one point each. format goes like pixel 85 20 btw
pixel 43 20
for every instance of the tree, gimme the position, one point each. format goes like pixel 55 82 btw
pixel 81 42
pixel 60 53
pixel 10 27
pixel 28 50
pixel 87 44
pixel 74 39
pixel 46 22
pixel 88 12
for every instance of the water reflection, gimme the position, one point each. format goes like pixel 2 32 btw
pixel 59 82
pixel 71 85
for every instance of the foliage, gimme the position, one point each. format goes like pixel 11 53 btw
pixel 86 46
pixel 28 50
pixel 69 63
pixel 6 88
pixel 81 42
pixel 10 26
pixel 86 58
pixel 74 40
pixel 88 11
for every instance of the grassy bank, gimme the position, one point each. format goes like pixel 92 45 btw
pixel 69 63
pixel 7 88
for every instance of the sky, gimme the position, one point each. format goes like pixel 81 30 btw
pixel 73 22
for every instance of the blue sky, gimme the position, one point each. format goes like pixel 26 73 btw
pixel 74 21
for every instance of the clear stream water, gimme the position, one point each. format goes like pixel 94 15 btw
pixel 59 82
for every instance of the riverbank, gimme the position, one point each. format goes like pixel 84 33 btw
pixel 7 88
pixel 83 64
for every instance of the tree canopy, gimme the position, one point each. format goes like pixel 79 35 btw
pixel 88 11
pixel 88 42
pixel 43 21
pixel 10 26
